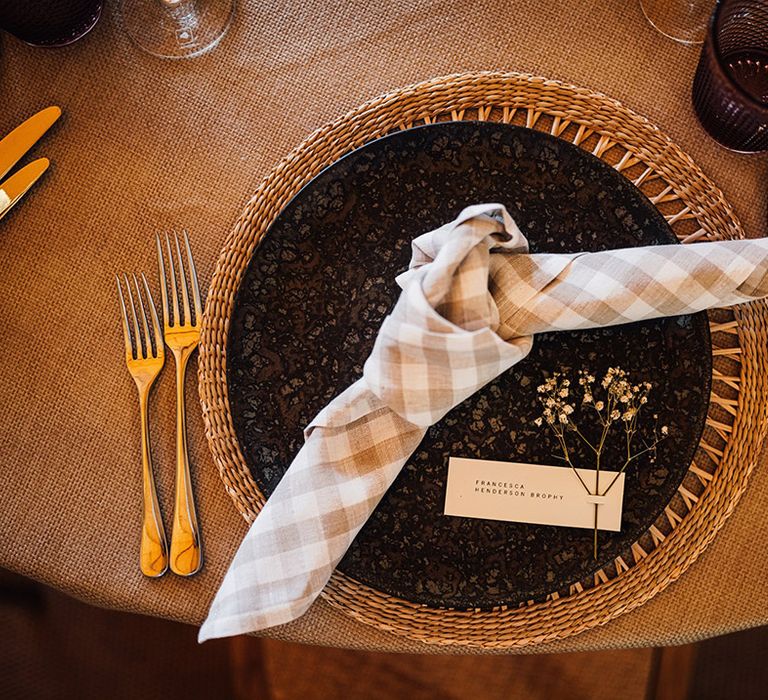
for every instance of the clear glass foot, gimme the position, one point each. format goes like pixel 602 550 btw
pixel 684 21
pixel 177 28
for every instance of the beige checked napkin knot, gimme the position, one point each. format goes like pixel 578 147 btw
pixel 472 299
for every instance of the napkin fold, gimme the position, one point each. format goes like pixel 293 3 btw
pixel 471 301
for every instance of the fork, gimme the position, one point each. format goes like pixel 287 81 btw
pixel 182 334
pixel 145 358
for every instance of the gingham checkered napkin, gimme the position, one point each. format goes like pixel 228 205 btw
pixel 472 299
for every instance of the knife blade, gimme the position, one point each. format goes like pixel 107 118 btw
pixel 24 136
pixel 14 188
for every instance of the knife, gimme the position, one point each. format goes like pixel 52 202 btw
pixel 14 188
pixel 24 136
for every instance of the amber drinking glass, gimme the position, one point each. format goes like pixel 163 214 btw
pixel 730 89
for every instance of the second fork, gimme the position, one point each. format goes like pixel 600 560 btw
pixel 182 334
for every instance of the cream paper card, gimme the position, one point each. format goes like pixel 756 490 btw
pixel 531 493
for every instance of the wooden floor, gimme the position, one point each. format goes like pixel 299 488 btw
pixel 295 672
pixel 54 647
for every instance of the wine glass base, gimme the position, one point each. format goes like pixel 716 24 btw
pixel 685 23
pixel 177 29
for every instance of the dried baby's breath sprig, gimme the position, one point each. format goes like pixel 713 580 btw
pixel 554 395
pixel 620 402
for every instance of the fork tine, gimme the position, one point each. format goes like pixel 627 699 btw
pixel 163 288
pixel 124 317
pixel 137 336
pixel 144 323
pixel 155 323
pixel 193 278
pixel 183 283
pixel 174 291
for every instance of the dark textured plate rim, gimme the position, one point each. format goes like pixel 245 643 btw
pixel 612 177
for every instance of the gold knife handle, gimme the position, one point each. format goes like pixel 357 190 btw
pixel 16 186
pixel 23 137
pixel 186 548
pixel 154 548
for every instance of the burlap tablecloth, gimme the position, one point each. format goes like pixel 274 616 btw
pixel 146 145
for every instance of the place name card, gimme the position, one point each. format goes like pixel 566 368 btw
pixel 531 493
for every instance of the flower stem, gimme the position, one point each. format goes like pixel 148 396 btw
pixel 594 552
pixel 597 493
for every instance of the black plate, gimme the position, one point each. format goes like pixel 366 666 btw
pixel 320 283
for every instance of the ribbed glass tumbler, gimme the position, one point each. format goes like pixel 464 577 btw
pixel 49 22
pixel 730 89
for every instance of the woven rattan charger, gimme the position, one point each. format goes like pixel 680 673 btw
pixel 695 209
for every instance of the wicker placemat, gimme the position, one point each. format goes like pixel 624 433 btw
pixel 695 209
